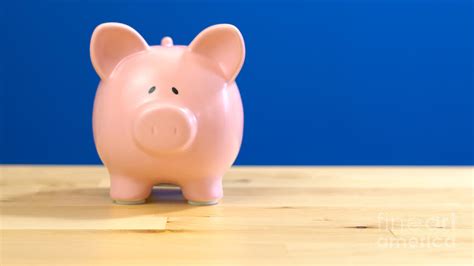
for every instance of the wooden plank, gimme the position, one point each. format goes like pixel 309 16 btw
pixel 61 215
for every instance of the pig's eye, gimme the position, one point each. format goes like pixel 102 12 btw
pixel 151 90
pixel 175 91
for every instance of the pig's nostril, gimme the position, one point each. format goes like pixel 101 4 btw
pixel 154 130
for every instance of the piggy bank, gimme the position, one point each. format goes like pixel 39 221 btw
pixel 167 113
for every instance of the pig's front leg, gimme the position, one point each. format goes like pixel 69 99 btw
pixel 202 192
pixel 129 190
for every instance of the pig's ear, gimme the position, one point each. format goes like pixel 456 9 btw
pixel 112 42
pixel 222 43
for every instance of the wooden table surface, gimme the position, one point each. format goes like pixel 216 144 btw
pixel 54 215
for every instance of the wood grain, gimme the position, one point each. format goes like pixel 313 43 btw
pixel 61 215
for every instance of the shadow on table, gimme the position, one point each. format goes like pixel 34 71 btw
pixel 91 203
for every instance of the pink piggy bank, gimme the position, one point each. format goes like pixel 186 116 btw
pixel 167 113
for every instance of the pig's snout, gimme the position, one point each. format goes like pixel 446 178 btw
pixel 164 129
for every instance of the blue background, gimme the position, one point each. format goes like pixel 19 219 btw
pixel 325 82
